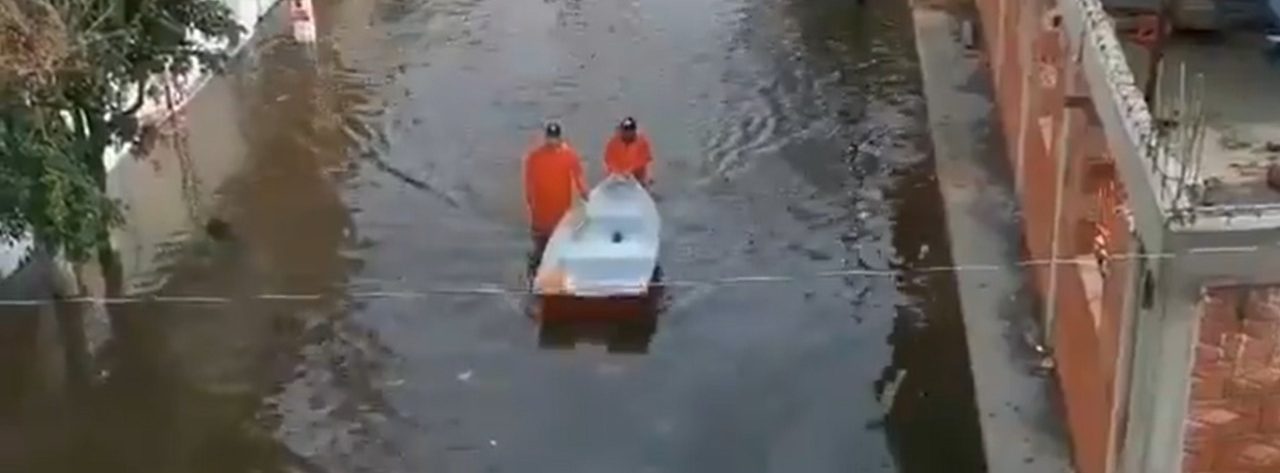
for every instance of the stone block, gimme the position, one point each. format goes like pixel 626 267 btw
pixel 1228 417
pixel 1263 304
pixel 1270 415
pixel 1213 330
pixel 1233 345
pixel 1256 352
pixel 1198 459
pixel 1248 352
pixel 1252 453
pixel 1254 382
pixel 1262 329
pixel 1199 447
pixel 1209 380
pixel 1221 303
pixel 1207 353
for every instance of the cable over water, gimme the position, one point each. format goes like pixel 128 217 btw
pixel 501 289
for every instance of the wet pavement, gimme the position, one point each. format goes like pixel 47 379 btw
pixel 789 140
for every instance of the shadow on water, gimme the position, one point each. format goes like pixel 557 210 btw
pixel 173 387
pixel 931 416
pixel 621 324
pixel 44 372
pixel 768 171
pixel 183 377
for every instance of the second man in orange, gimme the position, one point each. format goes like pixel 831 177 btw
pixel 628 152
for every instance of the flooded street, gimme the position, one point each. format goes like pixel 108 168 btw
pixel 379 177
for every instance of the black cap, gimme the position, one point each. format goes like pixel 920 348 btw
pixel 553 130
pixel 628 124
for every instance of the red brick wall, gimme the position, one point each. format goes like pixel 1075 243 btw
pixel 1234 420
pixel 1009 95
pixel 1076 351
pixel 1086 344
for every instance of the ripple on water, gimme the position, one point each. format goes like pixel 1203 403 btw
pixel 761 130
pixel 563 86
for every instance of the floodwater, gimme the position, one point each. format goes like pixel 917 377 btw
pixel 377 179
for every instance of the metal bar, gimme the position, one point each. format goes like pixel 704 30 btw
pixel 1164 22
pixel 1064 154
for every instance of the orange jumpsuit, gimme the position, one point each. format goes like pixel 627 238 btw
pixel 552 173
pixel 623 158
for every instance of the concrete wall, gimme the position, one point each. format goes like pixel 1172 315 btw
pixel 1121 295
pixel 248 13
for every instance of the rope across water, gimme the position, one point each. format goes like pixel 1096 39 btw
pixel 507 289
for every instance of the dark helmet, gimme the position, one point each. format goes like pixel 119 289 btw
pixel 553 130
pixel 628 124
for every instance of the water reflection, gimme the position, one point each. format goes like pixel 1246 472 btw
pixel 231 212
pixel 621 324
pixel 752 116
pixel 43 373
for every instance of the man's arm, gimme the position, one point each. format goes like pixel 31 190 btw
pixel 610 156
pixel 528 184
pixel 647 167
pixel 578 180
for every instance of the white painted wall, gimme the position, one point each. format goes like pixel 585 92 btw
pixel 249 14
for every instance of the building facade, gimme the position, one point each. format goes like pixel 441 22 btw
pixel 1154 238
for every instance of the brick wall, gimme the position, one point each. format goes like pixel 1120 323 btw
pixel 1234 423
pixel 1027 50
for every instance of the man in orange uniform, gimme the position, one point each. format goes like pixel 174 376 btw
pixel 628 152
pixel 552 174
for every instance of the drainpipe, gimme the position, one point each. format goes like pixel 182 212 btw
pixel 1024 104
pixel 1063 155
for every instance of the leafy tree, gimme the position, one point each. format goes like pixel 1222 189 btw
pixel 73 76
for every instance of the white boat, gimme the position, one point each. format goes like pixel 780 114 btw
pixel 605 247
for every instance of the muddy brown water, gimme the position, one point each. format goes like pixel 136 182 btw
pixel 789 141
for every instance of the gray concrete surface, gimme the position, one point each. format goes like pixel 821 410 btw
pixel 1242 112
pixel 1022 430
pixel 1235 78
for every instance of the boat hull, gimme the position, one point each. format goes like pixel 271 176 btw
pixel 605 247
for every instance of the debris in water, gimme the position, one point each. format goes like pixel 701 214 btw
pixel 891 390
pixel 218 229
pixel 1046 363
pixel 465 376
